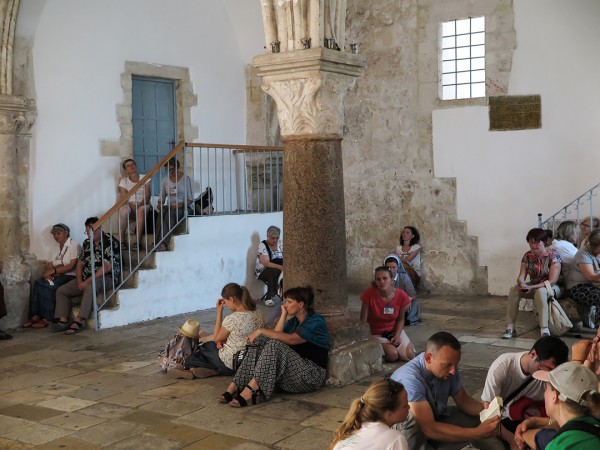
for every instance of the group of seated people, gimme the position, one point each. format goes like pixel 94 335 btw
pixel 67 278
pixel 176 195
pixel 562 267
pixel 549 402
pixel 291 357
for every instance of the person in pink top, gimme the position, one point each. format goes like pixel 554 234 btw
pixel 384 308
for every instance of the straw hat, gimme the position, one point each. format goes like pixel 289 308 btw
pixel 190 328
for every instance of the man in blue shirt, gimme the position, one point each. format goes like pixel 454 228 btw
pixel 430 380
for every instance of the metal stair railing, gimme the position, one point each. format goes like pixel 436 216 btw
pixel 243 179
pixel 579 209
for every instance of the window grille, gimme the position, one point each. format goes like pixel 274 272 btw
pixel 463 58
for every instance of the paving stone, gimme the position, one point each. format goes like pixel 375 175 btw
pixel 68 443
pixel 9 444
pixel 176 390
pixel 25 376
pixel 66 403
pixel 24 396
pixel 307 439
pixel 147 418
pixel 9 423
pixel 106 411
pixel 131 399
pixel 216 442
pixel 37 435
pixel 180 433
pixel 91 393
pixel 29 412
pixel 109 432
pixel 246 424
pixel 337 396
pixel 124 367
pixel 293 410
pixel 172 407
pixel 73 421
pixel 144 441
pixel 55 388
pixel 329 419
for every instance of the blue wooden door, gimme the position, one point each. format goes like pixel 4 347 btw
pixel 154 122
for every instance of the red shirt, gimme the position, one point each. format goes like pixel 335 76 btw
pixel 382 316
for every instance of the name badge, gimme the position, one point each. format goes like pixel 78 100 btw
pixel 388 310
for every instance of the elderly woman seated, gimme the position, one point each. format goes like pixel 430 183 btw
pixel 137 206
pixel 58 271
pixel 290 358
pixel 269 262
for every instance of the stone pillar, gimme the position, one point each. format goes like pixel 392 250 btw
pixel 15 277
pixel 308 87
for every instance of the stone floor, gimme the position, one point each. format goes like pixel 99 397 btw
pixel 104 389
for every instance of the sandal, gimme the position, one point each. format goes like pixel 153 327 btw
pixel 75 328
pixel 40 324
pixel 241 402
pixel 59 326
pixel 29 323
pixel 227 397
pixel 162 247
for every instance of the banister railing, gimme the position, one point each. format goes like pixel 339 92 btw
pixel 580 208
pixel 223 179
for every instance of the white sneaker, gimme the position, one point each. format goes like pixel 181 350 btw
pixel 269 302
pixel 509 334
pixel 528 305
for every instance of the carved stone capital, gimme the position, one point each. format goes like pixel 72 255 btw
pixel 12 113
pixel 308 87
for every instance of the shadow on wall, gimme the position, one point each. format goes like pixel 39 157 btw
pixel 255 286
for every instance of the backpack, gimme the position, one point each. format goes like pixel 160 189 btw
pixel 273 260
pixel 558 321
pixel 203 203
pixel 176 351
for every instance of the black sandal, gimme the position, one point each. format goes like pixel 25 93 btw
pixel 74 329
pixel 226 397
pixel 242 402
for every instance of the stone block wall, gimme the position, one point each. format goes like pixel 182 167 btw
pixel 389 177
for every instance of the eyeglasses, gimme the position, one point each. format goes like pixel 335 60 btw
pixel 585 225
pixel 395 387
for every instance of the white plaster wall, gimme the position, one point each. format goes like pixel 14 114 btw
pixel 218 250
pixel 79 53
pixel 505 178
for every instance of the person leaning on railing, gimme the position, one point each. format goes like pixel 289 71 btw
pixel 58 271
pixel 175 196
pixel 107 267
pixel 540 264
pixel 137 206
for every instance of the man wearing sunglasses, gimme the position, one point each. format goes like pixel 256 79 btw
pixel 430 380
pixel 510 377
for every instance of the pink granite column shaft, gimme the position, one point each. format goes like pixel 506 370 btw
pixel 314 218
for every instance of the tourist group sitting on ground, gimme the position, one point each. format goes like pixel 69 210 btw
pixel 531 399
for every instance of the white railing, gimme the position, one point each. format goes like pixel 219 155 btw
pixel 583 206
pixel 224 180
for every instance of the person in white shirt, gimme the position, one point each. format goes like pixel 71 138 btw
pixel 368 423
pixel 137 205
pixel 510 377
pixel 567 235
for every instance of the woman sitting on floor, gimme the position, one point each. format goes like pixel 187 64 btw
pixel 409 252
pixel 540 264
pixel 384 308
pixel 290 358
pixel 567 235
pixel 370 418
pixel 58 271
pixel 217 354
